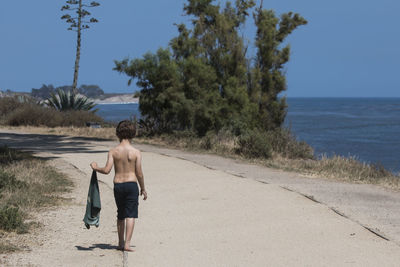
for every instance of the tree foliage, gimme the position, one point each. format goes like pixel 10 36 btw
pixel 268 79
pixel 43 92
pixel 204 81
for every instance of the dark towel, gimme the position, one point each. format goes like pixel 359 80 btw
pixel 93 205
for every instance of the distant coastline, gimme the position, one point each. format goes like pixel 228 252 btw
pixel 119 99
pixel 106 98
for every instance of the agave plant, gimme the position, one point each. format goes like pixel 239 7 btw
pixel 63 101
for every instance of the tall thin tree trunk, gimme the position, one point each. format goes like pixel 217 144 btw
pixel 78 49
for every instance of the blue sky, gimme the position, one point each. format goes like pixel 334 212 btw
pixel 348 48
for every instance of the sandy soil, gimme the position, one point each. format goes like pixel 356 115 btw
pixel 202 211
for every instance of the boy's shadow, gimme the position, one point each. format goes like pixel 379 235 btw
pixel 100 246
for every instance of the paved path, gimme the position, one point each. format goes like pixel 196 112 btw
pixel 202 212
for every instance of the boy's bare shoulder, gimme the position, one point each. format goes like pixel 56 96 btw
pixel 130 148
pixel 135 150
pixel 112 150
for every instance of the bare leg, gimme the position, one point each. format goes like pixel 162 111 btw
pixel 121 230
pixel 130 224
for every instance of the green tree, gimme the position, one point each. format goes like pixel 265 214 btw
pixel 205 82
pixel 78 23
pixel 268 77
pixel 91 91
pixel 161 98
pixel 216 31
pixel 199 81
pixel 43 92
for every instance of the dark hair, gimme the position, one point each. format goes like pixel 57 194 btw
pixel 125 130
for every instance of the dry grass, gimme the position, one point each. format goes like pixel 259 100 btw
pixel 27 185
pixel 101 133
pixel 42 185
pixel 345 169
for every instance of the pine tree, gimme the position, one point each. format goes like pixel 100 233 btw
pixel 162 101
pixel 216 35
pixel 205 82
pixel 268 77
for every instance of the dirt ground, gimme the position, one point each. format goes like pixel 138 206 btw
pixel 205 210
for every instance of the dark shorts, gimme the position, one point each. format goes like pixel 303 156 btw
pixel 127 199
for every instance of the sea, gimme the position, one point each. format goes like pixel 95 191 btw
pixel 365 128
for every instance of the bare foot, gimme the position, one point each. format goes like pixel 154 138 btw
pixel 129 249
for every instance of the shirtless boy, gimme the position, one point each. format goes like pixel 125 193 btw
pixel 127 162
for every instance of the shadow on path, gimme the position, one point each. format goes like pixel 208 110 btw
pixel 100 246
pixel 55 144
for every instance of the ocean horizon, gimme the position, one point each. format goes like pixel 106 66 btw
pixel 361 127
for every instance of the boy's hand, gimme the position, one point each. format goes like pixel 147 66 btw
pixel 144 194
pixel 93 165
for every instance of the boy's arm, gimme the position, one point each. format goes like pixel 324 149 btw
pixel 106 169
pixel 139 175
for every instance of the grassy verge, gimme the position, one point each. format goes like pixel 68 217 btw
pixel 284 153
pixel 26 185
pixel 339 168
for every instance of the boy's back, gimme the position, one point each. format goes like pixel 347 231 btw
pixel 127 163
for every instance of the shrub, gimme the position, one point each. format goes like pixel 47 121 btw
pixel 11 219
pixel 208 141
pixel 284 143
pixel 261 144
pixel 222 142
pixel 8 104
pixel 254 144
pixel 78 118
pixel 35 115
